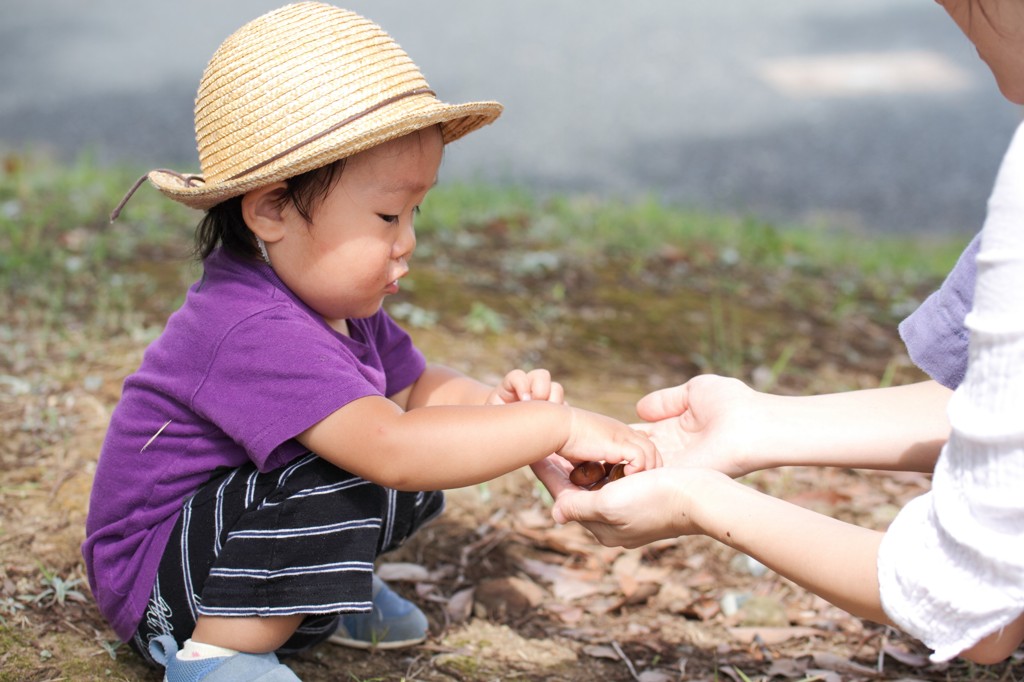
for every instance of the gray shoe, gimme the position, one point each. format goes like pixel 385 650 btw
pixel 393 623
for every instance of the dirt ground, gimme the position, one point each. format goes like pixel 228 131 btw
pixel 511 596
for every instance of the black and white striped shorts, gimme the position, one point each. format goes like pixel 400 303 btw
pixel 298 540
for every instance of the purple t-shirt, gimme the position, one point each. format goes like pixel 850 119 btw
pixel 935 334
pixel 240 370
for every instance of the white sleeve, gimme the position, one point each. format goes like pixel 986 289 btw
pixel 951 566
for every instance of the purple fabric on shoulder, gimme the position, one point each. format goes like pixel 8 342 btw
pixel 935 334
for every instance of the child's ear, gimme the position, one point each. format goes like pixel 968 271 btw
pixel 262 211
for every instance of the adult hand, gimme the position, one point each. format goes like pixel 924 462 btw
pixel 634 510
pixel 709 421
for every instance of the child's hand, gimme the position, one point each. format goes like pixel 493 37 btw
pixel 521 386
pixel 595 437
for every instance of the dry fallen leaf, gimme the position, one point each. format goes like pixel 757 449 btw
pixel 840 664
pixel 569 614
pixel 402 572
pixel 509 596
pixel 786 667
pixel 601 651
pixel 567 584
pixel 773 635
pixel 905 657
pixel 704 608
pixel 569 539
pixel 460 605
pixel 638 581
pixel 657 676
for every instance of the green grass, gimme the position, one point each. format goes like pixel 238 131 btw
pixel 71 279
pixel 645 227
pixel 62 262
pixel 63 265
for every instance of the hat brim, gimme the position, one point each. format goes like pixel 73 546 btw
pixel 455 120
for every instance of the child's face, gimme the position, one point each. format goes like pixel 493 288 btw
pixel 996 27
pixel 357 247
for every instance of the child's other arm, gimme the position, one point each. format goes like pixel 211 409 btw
pixel 439 385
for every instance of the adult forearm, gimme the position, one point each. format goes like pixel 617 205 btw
pixel 832 559
pixel 899 428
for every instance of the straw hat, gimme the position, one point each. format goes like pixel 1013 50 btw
pixel 299 88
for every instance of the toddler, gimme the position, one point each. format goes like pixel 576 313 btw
pixel 283 431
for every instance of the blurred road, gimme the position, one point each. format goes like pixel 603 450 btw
pixel 866 114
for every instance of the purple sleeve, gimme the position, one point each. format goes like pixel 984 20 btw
pixel 402 359
pixel 278 374
pixel 935 334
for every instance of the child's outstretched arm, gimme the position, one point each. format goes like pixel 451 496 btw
pixel 436 444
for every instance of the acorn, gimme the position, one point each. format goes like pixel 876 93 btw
pixel 594 475
pixel 617 472
pixel 586 474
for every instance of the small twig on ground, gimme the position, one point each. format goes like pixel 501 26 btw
pixel 762 648
pixel 493 538
pixel 63 477
pixel 625 659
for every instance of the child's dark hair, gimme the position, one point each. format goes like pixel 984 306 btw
pixel 223 224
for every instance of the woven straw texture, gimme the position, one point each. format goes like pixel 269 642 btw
pixel 299 88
